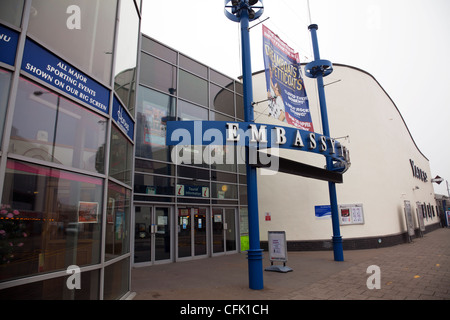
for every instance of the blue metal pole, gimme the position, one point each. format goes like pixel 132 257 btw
pixel 337 238
pixel 254 254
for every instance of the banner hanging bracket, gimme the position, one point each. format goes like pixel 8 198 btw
pixel 258 23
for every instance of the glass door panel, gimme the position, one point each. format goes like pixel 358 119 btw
pixel 230 231
pixel 152 240
pixel 200 234
pixel 142 237
pixel 217 230
pixel 162 233
pixel 184 232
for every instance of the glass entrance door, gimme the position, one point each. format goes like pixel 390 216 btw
pixel 153 236
pixel 192 232
pixel 223 221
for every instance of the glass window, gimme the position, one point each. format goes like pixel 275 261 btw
pixel 121 157
pixel 126 54
pixel 158 74
pixel 193 172
pixel 117 221
pixel 54 220
pixel 5 79
pixel 159 50
pixel 193 88
pixel 221 80
pixel 223 176
pixel 193 188
pixel 214 116
pixel 48 127
pixel 153 111
pixel 189 111
pixel 224 190
pixel 56 289
pixel 224 158
pixel 149 184
pixel 85 32
pixel 117 280
pixel 240 107
pixel 193 66
pixel 11 11
pixel 141 165
pixel 221 100
pixel 239 87
pixel 243 194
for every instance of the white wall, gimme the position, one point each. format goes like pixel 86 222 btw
pixel 380 176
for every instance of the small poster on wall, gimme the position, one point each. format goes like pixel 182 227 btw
pixel 87 212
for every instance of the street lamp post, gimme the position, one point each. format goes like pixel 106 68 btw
pixel 243 11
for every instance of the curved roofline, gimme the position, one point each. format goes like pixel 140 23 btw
pixel 385 92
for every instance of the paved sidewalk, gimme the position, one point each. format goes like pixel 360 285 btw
pixel 419 270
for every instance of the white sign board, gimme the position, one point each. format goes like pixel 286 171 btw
pixel 277 246
pixel 420 216
pixel 351 214
pixel 409 218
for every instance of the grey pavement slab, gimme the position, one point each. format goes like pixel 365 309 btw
pixel 419 270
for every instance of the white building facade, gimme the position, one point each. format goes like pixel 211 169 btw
pixel 387 169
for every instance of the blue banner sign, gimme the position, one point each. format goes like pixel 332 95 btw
pixel 322 212
pixel 259 135
pixel 49 68
pixel 123 120
pixel 8 45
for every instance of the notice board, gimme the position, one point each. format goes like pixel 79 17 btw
pixel 351 214
pixel 277 246
pixel 409 218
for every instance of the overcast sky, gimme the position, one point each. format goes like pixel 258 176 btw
pixel 404 44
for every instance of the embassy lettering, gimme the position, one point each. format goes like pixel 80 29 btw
pixel 213 134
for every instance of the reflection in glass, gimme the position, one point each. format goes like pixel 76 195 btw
pixel 222 100
pixel 141 165
pixel 153 111
pixel 190 112
pixel 117 280
pixel 193 88
pixel 230 219
pixel 150 184
pixel 117 221
pixel 56 289
pixel 11 11
pixel 200 226
pixel 5 78
pixel 55 220
pixel 218 234
pixel 121 157
pixel 158 49
pixel 126 54
pixel 224 190
pixel 48 127
pixel 84 36
pixel 158 74
pixel 193 66
pixel 184 226
pixel 240 107
pixel 142 234
pixel 221 80
pixel 162 233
